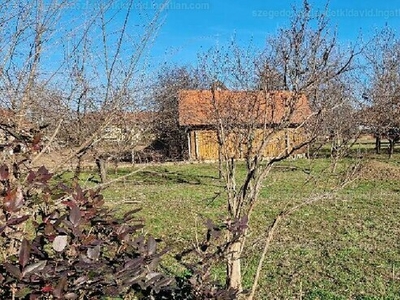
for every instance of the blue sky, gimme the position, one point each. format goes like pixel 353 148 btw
pixel 193 26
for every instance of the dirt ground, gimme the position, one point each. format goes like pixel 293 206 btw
pixel 377 170
pixel 54 159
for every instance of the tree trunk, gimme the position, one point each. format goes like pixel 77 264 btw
pixel 116 160
pixel 334 147
pixel 219 163
pixel 102 169
pixel 132 157
pixel 391 147
pixel 78 168
pixel 234 273
pixel 378 144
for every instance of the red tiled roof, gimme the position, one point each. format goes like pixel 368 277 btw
pixel 203 107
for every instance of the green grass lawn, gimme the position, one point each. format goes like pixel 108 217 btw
pixel 345 247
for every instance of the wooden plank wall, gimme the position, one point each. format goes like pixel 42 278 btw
pixel 204 144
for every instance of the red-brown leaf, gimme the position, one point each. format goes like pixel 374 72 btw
pixel 44 174
pixel 14 200
pixel 4 173
pixel 31 176
pixel 58 291
pixel 79 195
pixel 16 221
pixel 75 215
pixel 13 270
pixel 36 139
pixel 8 200
pixel 24 253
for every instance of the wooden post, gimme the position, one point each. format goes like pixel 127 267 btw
pixel 196 145
pixel 378 144
pixel 189 148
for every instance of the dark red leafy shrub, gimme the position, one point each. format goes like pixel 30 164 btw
pixel 61 242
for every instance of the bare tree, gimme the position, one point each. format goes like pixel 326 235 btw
pixel 253 116
pixel 79 67
pixel 342 122
pixel 27 30
pixel 383 93
pixel 167 129
pixel 104 71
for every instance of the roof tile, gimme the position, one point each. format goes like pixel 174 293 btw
pixel 205 107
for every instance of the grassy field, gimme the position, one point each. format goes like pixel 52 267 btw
pixel 343 247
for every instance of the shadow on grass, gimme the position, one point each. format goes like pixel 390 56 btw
pixel 171 177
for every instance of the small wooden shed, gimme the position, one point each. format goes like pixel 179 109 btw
pixel 200 112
